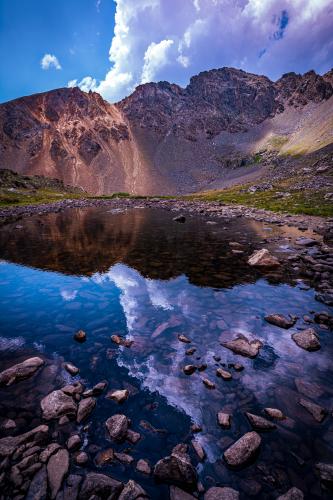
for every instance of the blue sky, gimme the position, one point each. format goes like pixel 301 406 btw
pixel 78 32
pixel 111 46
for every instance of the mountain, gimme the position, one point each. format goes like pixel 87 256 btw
pixel 164 139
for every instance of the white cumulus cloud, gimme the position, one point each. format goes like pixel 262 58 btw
pixel 50 61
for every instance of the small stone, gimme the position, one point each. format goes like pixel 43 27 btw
pixel 132 436
pixel 263 258
pixel 280 320
pixel 224 419
pixel 8 425
pixel 190 351
pixel 124 458
pixel 119 396
pixel 183 338
pixel 20 371
pixel 189 369
pixel 292 494
pixel 74 442
pixel 199 450
pixel 316 411
pixel 105 456
pixel 275 413
pixel 80 336
pixel 307 339
pixel 81 458
pixel 223 374
pixel 117 426
pixel 86 406
pixel 70 368
pixel 178 494
pixel 132 491
pixel 117 339
pixel 49 450
pixel 238 367
pixel 208 383
pixel 143 466
pixel 57 468
pixel 56 404
pixel 243 450
pixel 243 346
pixel 259 423
pixel 217 493
pixel 202 368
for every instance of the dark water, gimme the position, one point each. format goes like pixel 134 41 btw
pixel 141 275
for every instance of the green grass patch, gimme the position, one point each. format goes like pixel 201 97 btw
pixel 28 197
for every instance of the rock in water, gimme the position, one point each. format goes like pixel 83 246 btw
pixel 38 486
pixel 80 336
pixel 20 371
pixel 119 396
pixel 263 258
pixel 325 472
pixel 216 493
pixel 57 468
pixel 307 339
pixel 223 374
pixel 280 320
pixel 224 419
pixel 132 491
pixel 243 346
pixel 198 449
pixel 189 369
pixel 70 368
pixel 176 469
pixel 292 494
pixel 275 413
pixel 178 494
pixel 316 411
pixel 56 404
pixel 86 406
pixel 100 486
pixel 183 338
pixel 143 466
pixel 179 218
pixel 243 450
pixel 117 426
pixel 260 423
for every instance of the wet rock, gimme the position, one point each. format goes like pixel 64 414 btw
pixel 216 493
pixel 259 423
pixel 96 390
pixel 190 351
pixel 21 371
pixel 57 468
pixel 307 339
pixel 80 336
pixel 56 404
pixel 8 425
pixel 49 450
pixel 86 406
pixel 238 367
pixel 71 488
pixel 143 466
pixel 292 494
pixel 244 346
pixel 208 383
pixel 275 413
pixel 202 367
pixel 196 428
pixel 180 218
pixel 309 389
pixel 223 374
pixel 132 436
pixel 325 472
pixel 263 258
pixel 132 491
pixel 224 419
pixel 74 442
pixel 70 368
pixel 81 458
pixel 199 450
pixel 243 450
pixel 178 494
pixel 104 457
pixel 121 341
pixel 100 485
pixel 72 389
pixel 117 426
pixel 280 320
pixel 119 396
pixel 189 369
pixel 8 445
pixel 183 338
pixel 124 458
pixel 176 469
pixel 38 486
pixel 315 410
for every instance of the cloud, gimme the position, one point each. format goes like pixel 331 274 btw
pixel 48 61
pixel 268 37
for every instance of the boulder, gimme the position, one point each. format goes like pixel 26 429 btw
pixel 263 258
pixel 225 493
pixel 280 320
pixel 20 371
pixel 132 491
pixel 100 485
pixel 243 450
pixel 307 339
pixel 56 404
pixel 117 426
pixel 132 436
pixel 292 494
pixel 243 346
pixel 57 468
pixel 260 423
pixel 86 406
pixel 177 469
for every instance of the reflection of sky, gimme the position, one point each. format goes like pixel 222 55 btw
pixel 44 307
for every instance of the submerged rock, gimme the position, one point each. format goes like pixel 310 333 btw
pixel 208 383
pixel 56 404
pixel 263 258
pixel 224 419
pixel 292 494
pixel 176 469
pixel 223 374
pixel 183 338
pixel 189 369
pixel 243 450
pixel 280 320
pixel 225 493
pixel 57 468
pixel 307 339
pixel 20 371
pixel 243 346
pixel 132 491
pixel 275 413
pixel 143 466
pixel 119 396
pixel 316 411
pixel 70 368
pixel 325 472
pixel 260 423
pixel 86 406
pixel 101 486
pixel 117 426
pixel 178 494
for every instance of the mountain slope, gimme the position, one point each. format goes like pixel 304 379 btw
pixel 164 139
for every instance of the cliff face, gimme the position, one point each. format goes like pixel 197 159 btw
pixel 162 138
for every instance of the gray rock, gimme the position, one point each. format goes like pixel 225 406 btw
pixel 243 346
pixel 56 404
pixel 132 491
pixel 292 494
pixel 280 320
pixel 243 450
pixel 20 371
pixel 306 242
pixel 117 426
pixel 176 469
pixel 208 383
pixel 102 486
pixel 259 423
pixel 57 468
pixel 86 406
pixel 38 486
pixel 307 339
pixel 10 444
pixel 263 258
pixel 325 472
pixel 315 410
pixel 225 493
